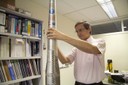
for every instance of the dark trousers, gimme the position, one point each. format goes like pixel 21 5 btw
pixel 78 83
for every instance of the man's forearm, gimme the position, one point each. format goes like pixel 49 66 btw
pixel 63 59
pixel 81 44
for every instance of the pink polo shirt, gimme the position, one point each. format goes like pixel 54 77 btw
pixel 89 68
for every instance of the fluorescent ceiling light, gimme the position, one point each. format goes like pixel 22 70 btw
pixel 108 7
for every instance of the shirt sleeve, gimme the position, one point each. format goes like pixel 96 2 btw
pixel 72 55
pixel 101 45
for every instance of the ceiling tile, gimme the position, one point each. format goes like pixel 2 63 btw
pixel 95 13
pixel 78 17
pixel 80 4
pixel 121 7
pixel 63 7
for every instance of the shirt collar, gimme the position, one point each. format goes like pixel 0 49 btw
pixel 90 39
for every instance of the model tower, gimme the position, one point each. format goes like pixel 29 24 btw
pixel 52 66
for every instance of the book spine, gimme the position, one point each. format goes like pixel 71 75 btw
pixel 40 30
pixel 6 70
pixel 11 71
pixel 2 77
pixel 2 66
pixel 29 27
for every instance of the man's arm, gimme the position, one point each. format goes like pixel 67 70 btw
pixel 63 59
pixel 80 44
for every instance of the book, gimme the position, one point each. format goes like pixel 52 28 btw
pixel 12 63
pixel 16 67
pixel 36 29
pixel 8 24
pixel 0 47
pixel 34 66
pixel 2 29
pixel 2 76
pixel 29 27
pixel 17 47
pixel 29 70
pixel 24 27
pixel 38 65
pixel 11 70
pixel 1 63
pixel 4 47
pixel 40 30
pixel 22 67
pixel 34 48
pixel 12 24
pixel 32 28
pixel 19 27
pixel 26 67
pixel 2 18
pixel 6 70
pixel 30 66
pixel 28 48
pixel 19 68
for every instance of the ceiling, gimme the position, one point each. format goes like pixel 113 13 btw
pixel 88 10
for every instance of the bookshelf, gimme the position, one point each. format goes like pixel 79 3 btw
pixel 20 49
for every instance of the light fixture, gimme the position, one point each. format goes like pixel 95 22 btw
pixel 108 7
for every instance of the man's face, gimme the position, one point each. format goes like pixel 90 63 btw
pixel 82 32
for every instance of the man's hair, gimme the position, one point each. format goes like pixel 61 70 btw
pixel 85 24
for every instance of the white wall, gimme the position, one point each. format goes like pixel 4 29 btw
pixel 117 49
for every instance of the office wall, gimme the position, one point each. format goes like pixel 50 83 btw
pixel 116 49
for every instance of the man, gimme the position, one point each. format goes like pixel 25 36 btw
pixel 88 54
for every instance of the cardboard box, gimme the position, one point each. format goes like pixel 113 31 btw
pixel 8 4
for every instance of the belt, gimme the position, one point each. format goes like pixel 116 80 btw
pixel 79 83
